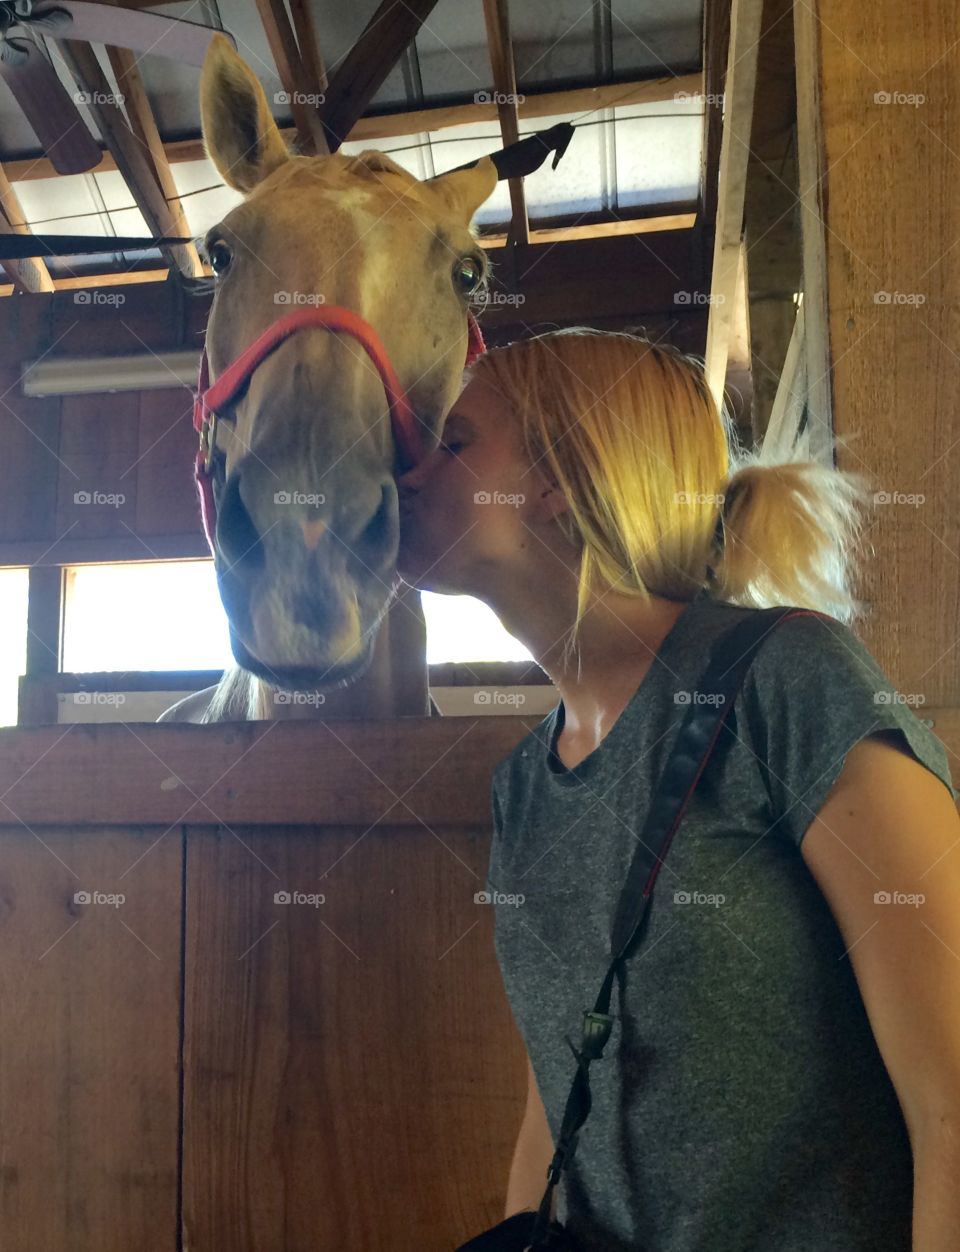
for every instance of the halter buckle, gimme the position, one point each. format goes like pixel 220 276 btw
pixel 208 439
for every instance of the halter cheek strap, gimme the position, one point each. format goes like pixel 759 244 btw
pixel 210 399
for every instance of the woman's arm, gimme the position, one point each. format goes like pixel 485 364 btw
pixel 532 1155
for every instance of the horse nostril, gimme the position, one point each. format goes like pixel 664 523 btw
pixel 237 536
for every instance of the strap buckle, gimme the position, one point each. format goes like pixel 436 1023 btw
pixel 208 439
pixel 596 1033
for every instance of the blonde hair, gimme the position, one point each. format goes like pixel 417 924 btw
pixel 661 495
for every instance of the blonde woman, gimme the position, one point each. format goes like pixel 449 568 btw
pixel 784 1071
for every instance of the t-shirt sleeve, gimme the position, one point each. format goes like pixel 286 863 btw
pixel 812 692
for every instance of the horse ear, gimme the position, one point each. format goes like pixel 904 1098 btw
pixel 464 190
pixel 239 133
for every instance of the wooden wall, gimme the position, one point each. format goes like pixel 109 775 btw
pixel 270 1077
pixel 892 191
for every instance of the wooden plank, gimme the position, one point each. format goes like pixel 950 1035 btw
pixel 249 771
pixel 812 191
pixel 893 271
pixel 573 101
pixel 716 42
pixel 131 159
pixel 734 152
pixel 166 498
pixel 30 274
pixel 29 466
pixel 144 127
pixel 296 84
pixel 308 42
pixel 497 19
pixel 44 620
pixel 89 1048
pixel 364 69
pixel 372 1028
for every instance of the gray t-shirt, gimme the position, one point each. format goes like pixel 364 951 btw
pixel 741 1104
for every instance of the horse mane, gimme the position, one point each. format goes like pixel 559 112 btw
pixel 239 697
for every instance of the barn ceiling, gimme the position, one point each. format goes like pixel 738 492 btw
pixel 636 151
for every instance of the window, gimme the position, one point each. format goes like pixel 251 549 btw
pixel 13 639
pixel 161 615
pixel 144 616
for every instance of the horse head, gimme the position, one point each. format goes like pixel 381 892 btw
pixel 307 514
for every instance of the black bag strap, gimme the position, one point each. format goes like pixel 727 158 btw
pixel 730 658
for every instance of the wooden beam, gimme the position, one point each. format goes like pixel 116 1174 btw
pixel 126 278
pixel 577 101
pixel 812 180
pixel 783 428
pixel 132 160
pixel 143 125
pixel 44 620
pixel 734 153
pixel 304 97
pixel 309 44
pixel 28 274
pixel 500 45
pixel 596 230
pixel 365 67
pixel 716 44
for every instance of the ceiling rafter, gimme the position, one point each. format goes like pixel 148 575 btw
pixel 308 42
pixel 131 157
pixel 143 126
pixel 363 70
pixel 297 83
pixel 30 274
pixel 500 45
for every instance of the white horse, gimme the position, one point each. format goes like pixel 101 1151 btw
pixel 307 519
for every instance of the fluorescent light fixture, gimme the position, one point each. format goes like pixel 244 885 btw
pixel 72 376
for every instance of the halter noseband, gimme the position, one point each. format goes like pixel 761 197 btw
pixel 211 398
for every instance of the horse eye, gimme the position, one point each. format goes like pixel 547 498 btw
pixel 468 274
pixel 219 255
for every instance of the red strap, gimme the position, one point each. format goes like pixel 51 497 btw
pixel 331 317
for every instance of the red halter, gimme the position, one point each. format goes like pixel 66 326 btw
pixel 211 398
